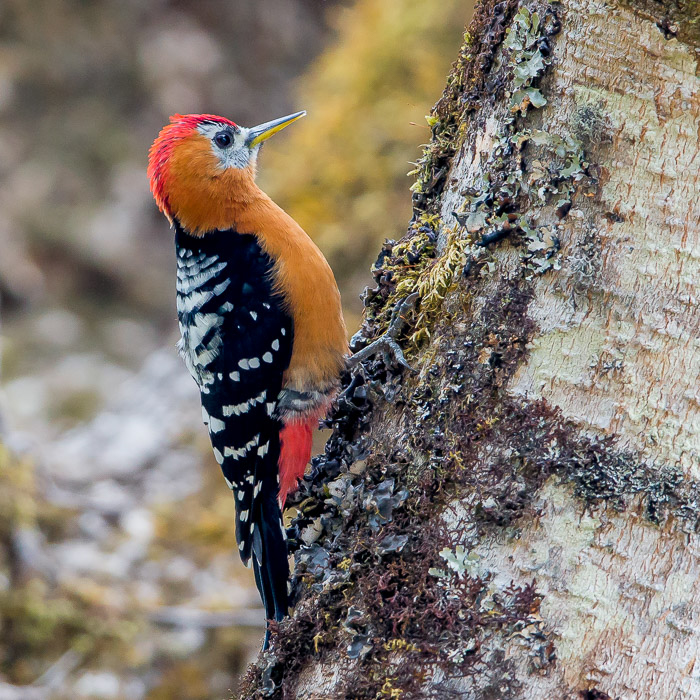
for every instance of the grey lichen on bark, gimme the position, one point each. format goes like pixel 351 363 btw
pixel 518 518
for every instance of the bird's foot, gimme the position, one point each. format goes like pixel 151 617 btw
pixel 386 343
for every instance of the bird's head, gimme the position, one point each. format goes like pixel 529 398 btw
pixel 201 167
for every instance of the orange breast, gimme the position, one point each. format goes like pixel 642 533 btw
pixel 307 282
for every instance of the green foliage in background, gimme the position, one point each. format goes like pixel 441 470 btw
pixel 341 172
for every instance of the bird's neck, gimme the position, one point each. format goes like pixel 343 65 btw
pixel 229 201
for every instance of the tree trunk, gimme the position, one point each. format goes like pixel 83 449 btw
pixel 518 517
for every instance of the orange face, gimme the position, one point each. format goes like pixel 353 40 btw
pixel 202 194
pixel 198 166
pixel 202 168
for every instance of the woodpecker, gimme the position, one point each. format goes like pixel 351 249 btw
pixel 261 324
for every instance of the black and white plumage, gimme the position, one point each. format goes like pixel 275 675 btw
pixel 237 342
pixel 241 298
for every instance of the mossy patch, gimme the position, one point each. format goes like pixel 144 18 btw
pixel 467 86
pixel 432 256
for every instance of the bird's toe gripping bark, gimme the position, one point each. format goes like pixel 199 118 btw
pixel 386 343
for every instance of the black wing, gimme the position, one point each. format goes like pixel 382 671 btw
pixel 237 343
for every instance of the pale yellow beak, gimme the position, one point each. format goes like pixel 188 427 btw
pixel 262 132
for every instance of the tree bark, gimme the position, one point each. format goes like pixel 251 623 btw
pixel 518 518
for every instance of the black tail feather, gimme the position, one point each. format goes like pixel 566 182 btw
pixel 270 563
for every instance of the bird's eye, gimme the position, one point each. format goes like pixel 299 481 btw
pixel 223 139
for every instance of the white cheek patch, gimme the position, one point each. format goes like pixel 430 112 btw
pixel 237 155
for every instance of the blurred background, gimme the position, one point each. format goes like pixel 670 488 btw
pixel 118 569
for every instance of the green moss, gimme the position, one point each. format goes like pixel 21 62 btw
pixel 463 94
pixel 493 211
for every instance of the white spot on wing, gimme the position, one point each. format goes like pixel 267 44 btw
pixel 205 416
pixel 243 364
pixel 216 425
pixel 222 286
pixel 186 303
pixel 235 376
pixel 238 452
pixel 253 315
pixel 189 282
pixel 203 323
pixel 254 363
pixel 238 408
pixel 210 353
pixel 218 456
pixel 276 342
pixel 267 357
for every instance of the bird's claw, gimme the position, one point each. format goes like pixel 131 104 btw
pixel 387 342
